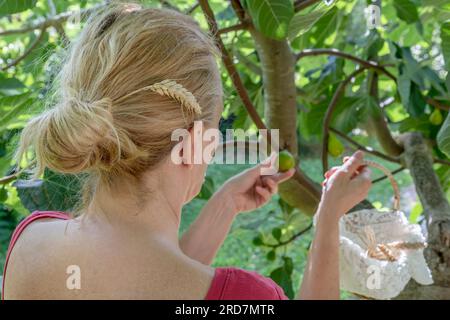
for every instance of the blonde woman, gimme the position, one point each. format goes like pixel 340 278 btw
pixel 131 78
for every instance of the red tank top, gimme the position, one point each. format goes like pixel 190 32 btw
pixel 227 284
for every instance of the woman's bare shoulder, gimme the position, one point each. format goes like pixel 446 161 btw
pixel 35 257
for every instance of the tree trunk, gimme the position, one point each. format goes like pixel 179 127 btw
pixel 418 160
pixel 278 68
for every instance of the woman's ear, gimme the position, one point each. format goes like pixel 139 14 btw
pixel 181 153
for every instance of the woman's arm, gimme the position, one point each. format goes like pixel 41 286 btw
pixel 244 192
pixel 321 277
pixel 346 186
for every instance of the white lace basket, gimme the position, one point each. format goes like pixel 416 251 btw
pixel 381 251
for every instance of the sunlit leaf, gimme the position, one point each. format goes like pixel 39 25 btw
pixel 14 6
pixel 271 17
pixel 443 137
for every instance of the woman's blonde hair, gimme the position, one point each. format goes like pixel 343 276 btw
pixel 131 77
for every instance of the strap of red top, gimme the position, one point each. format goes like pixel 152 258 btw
pixel 22 225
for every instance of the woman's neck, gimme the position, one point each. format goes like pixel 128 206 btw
pixel 152 212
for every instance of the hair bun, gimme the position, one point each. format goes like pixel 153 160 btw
pixel 77 136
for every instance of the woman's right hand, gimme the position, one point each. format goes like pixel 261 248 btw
pixel 346 186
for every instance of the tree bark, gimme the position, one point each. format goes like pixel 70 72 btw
pixel 278 68
pixel 418 160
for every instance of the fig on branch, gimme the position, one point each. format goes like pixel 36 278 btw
pixel 436 117
pixel 286 161
pixel 335 147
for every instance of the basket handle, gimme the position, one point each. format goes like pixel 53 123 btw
pixel 391 179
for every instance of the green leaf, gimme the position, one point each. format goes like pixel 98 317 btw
pixel 54 192
pixel 271 17
pixel 13 106
pixel 10 86
pixel 283 277
pixel 404 89
pixel 207 189
pixel 302 22
pixel 271 255
pixel 445 43
pixel 443 137
pixel 415 213
pixel 257 241
pixel 14 6
pixel 406 10
pixel 276 233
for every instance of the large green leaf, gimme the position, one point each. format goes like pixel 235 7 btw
pixel 443 137
pixel 406 10
pixel 14 6
pixel 10 86
pixel 13 106
pixel 283 276
pixel 302 22
pixel 53 192
pixel 271 17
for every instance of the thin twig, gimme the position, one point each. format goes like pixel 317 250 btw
pixel 335 52
pixel 239 10
pixel 437 104
pixel 236 27
pixel 229 65
pixel 329 113
pixel 50 22
pixel 8 179
pixel 364 148
pixel 441 161
pixel 285 242
pixel 192 9
pixel 167 4
pixel 27 51
pixel 253 67
pixel 385 177
pixel 303 4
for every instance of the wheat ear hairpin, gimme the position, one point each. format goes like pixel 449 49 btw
pixel 174 90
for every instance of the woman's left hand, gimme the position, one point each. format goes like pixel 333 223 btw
pixel 250 190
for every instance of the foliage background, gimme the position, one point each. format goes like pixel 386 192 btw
pixel 414 42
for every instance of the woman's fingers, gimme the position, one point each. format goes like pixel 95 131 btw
pixel 362 182
pixel 353 163
pixel 330 172
pixel 272 185
pixel 264 193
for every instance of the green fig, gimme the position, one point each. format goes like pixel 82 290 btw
pixel 436 117
pixel 335 147
pixel 286 161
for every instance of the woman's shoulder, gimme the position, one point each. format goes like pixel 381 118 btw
pixel 33 242
pixel 239 284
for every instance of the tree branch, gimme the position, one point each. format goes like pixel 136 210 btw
pixel 437 104
pixel 27 51
pixel 377 121
pixel 441 161
pixel 334 52
pixel 193 8
pixel 229 65
pixel 328 115
pixel 236 27
pixel 50 22
pixel 285 242
pixel 364 148
pixel 303 4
